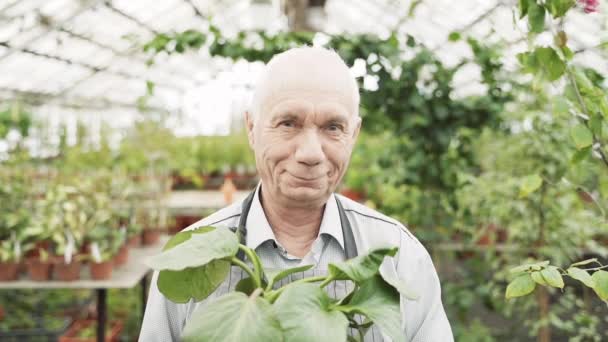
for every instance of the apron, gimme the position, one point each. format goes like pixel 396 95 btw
pixel 336 289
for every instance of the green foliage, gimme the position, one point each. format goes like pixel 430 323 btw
pixel 544 62
pixel 262 312
pixel 305 313
pixel 14 117
pixel 528 275
pixel 521 286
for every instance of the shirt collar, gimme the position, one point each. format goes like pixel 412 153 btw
pixel 259 231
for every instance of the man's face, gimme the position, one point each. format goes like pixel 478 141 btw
pixel 302 142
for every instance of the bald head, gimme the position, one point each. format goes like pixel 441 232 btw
pixel 306 69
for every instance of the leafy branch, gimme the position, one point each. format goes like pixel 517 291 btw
pixel 527 276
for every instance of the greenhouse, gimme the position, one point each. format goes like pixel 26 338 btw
pixel 304 170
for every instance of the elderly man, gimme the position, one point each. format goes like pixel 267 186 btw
pixel 302 127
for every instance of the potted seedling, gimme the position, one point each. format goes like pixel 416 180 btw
pixel 134 230
pixel 10 257
pixel 156 221
pixel 102 261
pixel 39 267
pixel 119 244
pixel 194 263
pixel 67 260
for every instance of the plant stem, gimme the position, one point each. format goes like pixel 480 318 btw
pixel 256 293
pixel 273 295
pixel 247 269
pixel 257 266
pixel 596 268
pixel 326 282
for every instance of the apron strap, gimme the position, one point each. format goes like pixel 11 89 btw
pixel 350 246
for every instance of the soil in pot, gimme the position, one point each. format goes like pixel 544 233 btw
pixel 8 271
pixel 101 270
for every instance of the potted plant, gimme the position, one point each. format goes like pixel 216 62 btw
pixel 134 231
pixel 119 244
pixel 298 309
pixel 10 257
pixel 156 221
pixel 101 261
pixel 67 260
pixel 39 267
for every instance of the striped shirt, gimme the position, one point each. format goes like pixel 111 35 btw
pixel 423 319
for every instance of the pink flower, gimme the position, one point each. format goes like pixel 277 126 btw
pixel 590 5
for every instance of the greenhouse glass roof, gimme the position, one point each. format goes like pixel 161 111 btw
pixel 87 54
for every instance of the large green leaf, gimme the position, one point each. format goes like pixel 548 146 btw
pixel 197 282
pixel 400 286
pixel 536 17
pixel 379 302
pixel 529 184
pixel 600 278
pixel 246 286
pixel 550 62
pixel 553 277
pixel 181 237
pixel 581 136
pixel 197 251
pixel 278 276
pixel 523 8
pixel 362 267
pixel 233 318
pixel 584 262
pixel 521 286
pixel 538 278
pixel 558 8
pixel 305 314
pixel 582 276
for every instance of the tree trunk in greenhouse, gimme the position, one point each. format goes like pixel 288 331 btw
pixel 544 333
pixel 296 14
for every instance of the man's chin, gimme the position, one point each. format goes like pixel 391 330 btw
pixel 306 195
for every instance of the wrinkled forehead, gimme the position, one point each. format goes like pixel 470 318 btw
pixel 309 74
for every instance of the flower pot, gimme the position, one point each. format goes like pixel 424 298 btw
pixel 86 330
pixel 134 241
pixel 101 270
pixel 39 270
pixel 8 271
pixel 122 257
pixel 151 236
pixel 67 272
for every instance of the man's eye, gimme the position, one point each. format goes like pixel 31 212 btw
pixel 335 128
pixel 287 124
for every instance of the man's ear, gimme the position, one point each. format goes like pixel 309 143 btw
pixel 357 128
pixel 249 126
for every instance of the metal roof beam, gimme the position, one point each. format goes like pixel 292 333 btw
pixel 39 98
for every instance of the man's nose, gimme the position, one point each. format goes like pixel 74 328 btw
pixel 310 149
